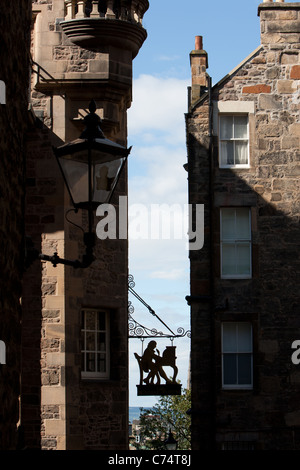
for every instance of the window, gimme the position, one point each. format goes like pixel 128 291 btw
pixel 95 344
pixel 237 355
pixel 235 232
pixel 233 141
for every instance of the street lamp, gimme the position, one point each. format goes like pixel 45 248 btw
pixel 170 442
pixel 91 167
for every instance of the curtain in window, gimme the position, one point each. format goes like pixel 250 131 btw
pixel 234 140
pixel 241 153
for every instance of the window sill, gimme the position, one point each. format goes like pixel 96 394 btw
pixel 95 379
pixel 234 167
pixel 237 388
pixel 234 278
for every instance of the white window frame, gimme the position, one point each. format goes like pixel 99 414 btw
pixel 237 353
pixel 235 241
pixel 233 165
pixel 85 374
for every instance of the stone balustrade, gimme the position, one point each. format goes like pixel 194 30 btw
pixel 126 10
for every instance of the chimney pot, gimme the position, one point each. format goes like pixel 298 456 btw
pixel 268 1
pixel 198 43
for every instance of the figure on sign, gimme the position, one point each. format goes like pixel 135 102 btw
pixel 152 363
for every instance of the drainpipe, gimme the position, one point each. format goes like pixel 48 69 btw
pixel 211 241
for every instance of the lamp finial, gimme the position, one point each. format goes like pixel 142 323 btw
pixel 92 107
pixel 92 122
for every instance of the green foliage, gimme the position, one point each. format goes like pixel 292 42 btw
pixel 170 413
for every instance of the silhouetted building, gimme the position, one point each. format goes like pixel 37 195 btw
pixel 14 121
pixel 65 381
pixel 243 136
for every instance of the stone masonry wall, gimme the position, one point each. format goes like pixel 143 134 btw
pixel 43 305
pixel 14 60
pixel 269 80
pixel 62 411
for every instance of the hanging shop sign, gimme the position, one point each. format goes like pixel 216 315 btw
pixel 153 376
pixel 151 366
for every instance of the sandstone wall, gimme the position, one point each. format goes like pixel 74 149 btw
pixel 61 410
pixel 269 80
pixel 14 71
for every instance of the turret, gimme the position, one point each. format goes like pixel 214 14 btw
pixel 98 24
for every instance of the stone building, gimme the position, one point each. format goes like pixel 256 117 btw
pixel 13 124
pixel 243 136
pixel 74 323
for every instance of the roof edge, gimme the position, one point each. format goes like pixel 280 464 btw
pixel 229 75
pixel 239 66
pixel 278 6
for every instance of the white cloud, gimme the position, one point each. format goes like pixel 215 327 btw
pixel 152 256
pixel 156 175
pixel 168 58
pixel 156 130
pixel 158 106
pixel 173 274
pixel 162 179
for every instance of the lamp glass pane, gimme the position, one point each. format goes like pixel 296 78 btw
pixel 105 178
pixel 76 176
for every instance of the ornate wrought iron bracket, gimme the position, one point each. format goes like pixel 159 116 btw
pixel 137 330
pixel 151 362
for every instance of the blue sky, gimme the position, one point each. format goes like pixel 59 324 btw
pixel 156 130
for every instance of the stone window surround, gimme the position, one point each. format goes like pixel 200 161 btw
pixel 234 107
pixel 86 376
pixel 237 386
pixel 237 276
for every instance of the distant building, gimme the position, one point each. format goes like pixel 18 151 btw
pixel 243 140
pixel 134 435
pixel 137 441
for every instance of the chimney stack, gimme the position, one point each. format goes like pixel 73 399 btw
pixel 199 64
pixel 198 43
pixel 279 23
